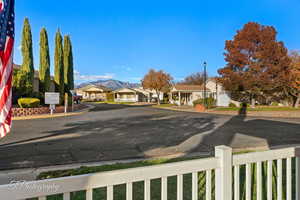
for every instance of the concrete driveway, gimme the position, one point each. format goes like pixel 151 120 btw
pixel 116 132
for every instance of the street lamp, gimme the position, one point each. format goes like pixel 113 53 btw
pixel 204 84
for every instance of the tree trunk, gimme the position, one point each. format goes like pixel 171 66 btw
pixel 158 99
pixel 252 102
pixel 297 101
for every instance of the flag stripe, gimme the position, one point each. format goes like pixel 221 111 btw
pixel 6 65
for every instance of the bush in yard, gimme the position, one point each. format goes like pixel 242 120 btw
pixel 29 102
pixel 274 104
pixel 210 102
pixel 165 100
pixel 110 97
pixel 232 105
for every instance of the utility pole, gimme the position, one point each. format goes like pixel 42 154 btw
pixel 204 85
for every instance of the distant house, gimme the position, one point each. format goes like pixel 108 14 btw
pixel 186 94
pixel 136 95
pixel 130 95
pixel 220 94
pixel 93 92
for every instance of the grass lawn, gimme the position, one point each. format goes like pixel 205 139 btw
pixel 112 102
pixel 163 105
pixel 259 108
pixel 138 187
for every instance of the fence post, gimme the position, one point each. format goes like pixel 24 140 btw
pixel 224 173
pixel 297 178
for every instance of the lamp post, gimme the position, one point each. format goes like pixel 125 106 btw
pixel 204 84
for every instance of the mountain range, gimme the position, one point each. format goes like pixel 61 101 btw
pixel 111 84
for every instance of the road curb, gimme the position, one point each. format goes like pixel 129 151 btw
pixel 250 113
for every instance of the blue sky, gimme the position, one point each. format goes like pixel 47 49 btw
pixel 123 39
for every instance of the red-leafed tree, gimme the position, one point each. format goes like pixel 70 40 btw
pixel 293 78
pixel 194 79
pixel 255 63
pixel 159 81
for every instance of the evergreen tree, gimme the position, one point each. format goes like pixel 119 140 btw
pixel 27 66
pixel 59 66
pixel 44 71
pixel 68 64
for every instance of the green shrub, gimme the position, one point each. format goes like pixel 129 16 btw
pixel 232 105
pixel 110 97
pixel 166 100
pixel 198 101
pixel 211 102
pixel 274 104
pixel 29 102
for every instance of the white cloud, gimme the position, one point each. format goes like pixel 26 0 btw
pixel 123 67
pixel 178 79
pixel 82 77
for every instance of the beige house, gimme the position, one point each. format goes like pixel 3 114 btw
pixel 93 92
pixel 222 96
pixel 131 95
pixel 186 94
pixel 136 95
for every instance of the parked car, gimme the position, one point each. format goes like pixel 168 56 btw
pixel 77 98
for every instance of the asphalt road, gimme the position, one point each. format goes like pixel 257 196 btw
pixel 116 132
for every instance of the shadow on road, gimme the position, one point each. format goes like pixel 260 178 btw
pixel 165 132
pixel 242 132
pixel 106 107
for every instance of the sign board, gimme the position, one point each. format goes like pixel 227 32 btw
pixel 51 98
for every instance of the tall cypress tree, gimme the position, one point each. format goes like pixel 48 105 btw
pixel 68 64
pixel 59 66
pixel 27 65
pixel 44 71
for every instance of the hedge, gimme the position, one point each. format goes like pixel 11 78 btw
pixel 210 102
pixel 29 102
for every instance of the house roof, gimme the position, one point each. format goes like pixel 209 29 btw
pixel 142 90
pixel 94 88
pixel 126 90
pixel 181 87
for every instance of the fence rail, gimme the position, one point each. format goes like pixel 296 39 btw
pixel 222 176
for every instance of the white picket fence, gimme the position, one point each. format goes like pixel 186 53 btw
pixel 226 170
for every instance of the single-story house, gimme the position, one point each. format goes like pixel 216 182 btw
pixel 130 95
pixel 93 92
pixel 185 94
pixel 222 97
pixel 136 95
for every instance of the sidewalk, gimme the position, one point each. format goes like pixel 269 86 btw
pixel 30 174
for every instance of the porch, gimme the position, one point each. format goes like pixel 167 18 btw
pixel 187 94
pixel 182 98
pixel 126 97
pixel 95 95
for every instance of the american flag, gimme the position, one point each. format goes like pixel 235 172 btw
pixel 7 35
